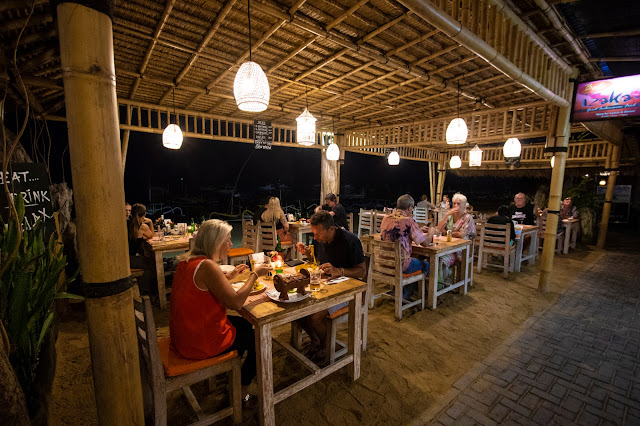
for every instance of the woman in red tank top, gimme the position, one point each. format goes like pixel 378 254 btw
pixel 200 295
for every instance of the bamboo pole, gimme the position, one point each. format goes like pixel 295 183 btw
pixel 330 172
pixel 86 57
pixel 562 135
pixel 608 197
pixel 125 147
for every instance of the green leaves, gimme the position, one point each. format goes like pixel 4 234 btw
pixel 28 287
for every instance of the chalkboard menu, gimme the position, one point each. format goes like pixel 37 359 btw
pixel 262 134
pixel 30 180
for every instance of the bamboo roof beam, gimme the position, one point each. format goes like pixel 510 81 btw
pixel 363 50
pixel 627 33
pixel 441 20
pixel 616 59
pixel 154 41
pixel 345 14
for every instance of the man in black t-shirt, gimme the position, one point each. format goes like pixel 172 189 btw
pixel 339 253
pixel 521 211
pixel 502 218
pixel 335 209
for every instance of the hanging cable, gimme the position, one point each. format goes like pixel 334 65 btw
pixel 249 18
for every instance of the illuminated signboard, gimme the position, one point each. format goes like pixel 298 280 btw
pixel 604 99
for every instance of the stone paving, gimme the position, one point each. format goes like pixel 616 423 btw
pixel 576 363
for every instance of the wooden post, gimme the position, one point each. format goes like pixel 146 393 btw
pixel 608 197
pixel 125 147
pixel 330 172
pixel 561 140
pixel 86 56
pixel 432 182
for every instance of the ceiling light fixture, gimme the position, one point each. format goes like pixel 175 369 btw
pixel 172 135
pixel 475 157
pixel 333 151
pixel 457 129
pixel 394 158
pixel 455 162
pixel 306 134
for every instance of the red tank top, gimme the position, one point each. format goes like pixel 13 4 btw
pixel 198 322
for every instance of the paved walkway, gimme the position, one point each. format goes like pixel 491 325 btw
pixel 576 363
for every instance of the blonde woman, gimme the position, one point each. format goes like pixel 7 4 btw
pixel 274 214
pixel 201 293
pixel 463 227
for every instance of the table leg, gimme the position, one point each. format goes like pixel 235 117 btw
pixel 533 248
pixel 466 268
pixel 574 235
pixel 355 333
pixel 265 375
pixel 162 292
pixel 567 232
pixel 433 281
pixel 519 245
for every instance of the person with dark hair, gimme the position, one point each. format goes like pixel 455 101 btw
pixel 335 209
pixel 140 229
pixel 502 218
pixel 339 253
pixel 127 210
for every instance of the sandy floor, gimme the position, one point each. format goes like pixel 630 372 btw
pixel 408 365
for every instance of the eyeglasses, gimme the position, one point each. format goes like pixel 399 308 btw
pixel 456 203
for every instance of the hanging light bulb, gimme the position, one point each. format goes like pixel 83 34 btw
pixel 455 162
pixel 394 158
pixel 512 148
pixel 251 87
pixel 475 157
pixel 553 161
pixel 457 129
pixel 172 135
pixel 306 133
pixel 602 182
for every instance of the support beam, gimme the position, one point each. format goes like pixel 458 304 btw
pixel 330 173
pixel 608 197
pixel 560 139
pixel 608 130
pixel 86 58
pixel 125 147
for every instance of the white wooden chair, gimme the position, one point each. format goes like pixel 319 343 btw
pixel 386 268
pixel 167 371
pixel 559 235
pixel 249 244
pixel 366 223
pixel 420 215
pixel 350 221
pixel 496 239
pixel 378 221
pixel 268 239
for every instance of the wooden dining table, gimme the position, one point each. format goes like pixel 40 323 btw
pixel 170 244
pixel 266 314
pixel 435 253
pixel 570 233
pixel 532 232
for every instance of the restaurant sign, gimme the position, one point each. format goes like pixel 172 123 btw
pixel 604 99
pixel 262 134
pixel 32 181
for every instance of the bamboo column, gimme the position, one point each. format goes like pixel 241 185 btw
pixel 608 197
pixel 125 147
pixel 86 56
pixel 432 182
pixel 561 140
pixel 330 171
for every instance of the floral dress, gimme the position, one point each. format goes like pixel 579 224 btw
pixel 467 227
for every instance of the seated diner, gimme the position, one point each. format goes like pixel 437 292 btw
pixel 461 225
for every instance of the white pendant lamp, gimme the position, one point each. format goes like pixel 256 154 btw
pixel 333 152
pixel 512 148
pixel 455 162
pixel 457 129
pixel 251 87
pixel 172 135
pixel 394 158
pixel 306 133
pixel 475 157
pixel 553 161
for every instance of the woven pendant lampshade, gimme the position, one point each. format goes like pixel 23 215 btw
pixel 455 162
pixel 172 135
pixel 251 88
pixel 457 132
pixel 306 133
pixel 333 152
pixel 394 158
pixel 475 157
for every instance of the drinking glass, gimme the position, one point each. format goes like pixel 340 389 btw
pixel 316 275
pixel 436 238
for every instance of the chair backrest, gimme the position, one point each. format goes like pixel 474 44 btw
pixel 148 342
pixel 249 235
pixel 420 215
pixel 479 225
pixel 378 221
pixel 267 237
pixel 496 235
pixel 365 240
pixel 366 219
pixel 350 221
pixel 386 260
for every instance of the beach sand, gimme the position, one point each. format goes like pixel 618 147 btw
pixel 407 368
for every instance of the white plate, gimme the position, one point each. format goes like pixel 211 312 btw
pixel 227 268
pixel 293 297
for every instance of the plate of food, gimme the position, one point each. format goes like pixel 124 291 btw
pixel 294 296
pixel 227 268
pixel 258 287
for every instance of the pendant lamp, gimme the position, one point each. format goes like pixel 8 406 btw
pixel 553 161
pixel 333 152
pixel 251 87
pixel 475 157
pixel 172 135
pixel 457 129
pixel 306 133
pixel 455 162
pixel 512 148
pixel 394 158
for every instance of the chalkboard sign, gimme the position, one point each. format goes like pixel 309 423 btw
pixel 262 134
pixel 30 180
